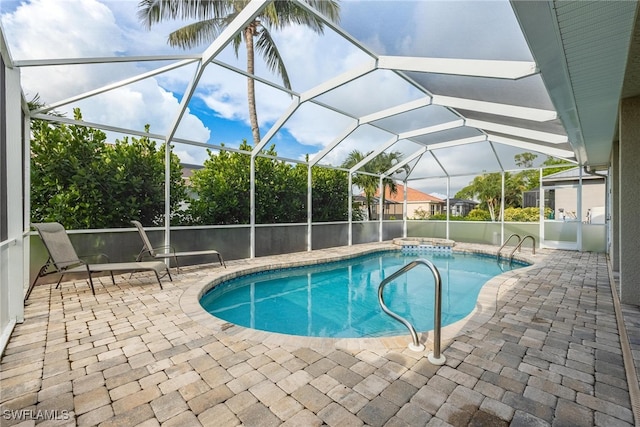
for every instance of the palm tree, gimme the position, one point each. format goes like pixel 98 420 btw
pixel 369 184
pixel 383 163
pixel 215 15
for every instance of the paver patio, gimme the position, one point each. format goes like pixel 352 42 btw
pixel 547 353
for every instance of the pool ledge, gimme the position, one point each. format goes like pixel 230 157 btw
pixel 484 310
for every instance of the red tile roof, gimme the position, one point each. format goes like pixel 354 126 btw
pixel 412 195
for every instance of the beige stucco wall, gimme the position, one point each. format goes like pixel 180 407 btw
pixel 629 202
pixel 412 207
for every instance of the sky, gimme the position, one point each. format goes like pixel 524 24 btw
pixel 217 113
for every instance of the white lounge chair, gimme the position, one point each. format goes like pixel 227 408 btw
pixel 63 259
pixel 167 251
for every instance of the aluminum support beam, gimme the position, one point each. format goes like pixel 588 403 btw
pixel 460 67
pixel 550 151
pixel 432 129
pixel 526 113
pixel 517 131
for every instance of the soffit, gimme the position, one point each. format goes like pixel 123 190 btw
pixel 582 50
pixel 631 86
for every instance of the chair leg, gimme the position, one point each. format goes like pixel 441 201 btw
pixel 222 261
pixel 158 277
pixel 138 259
pixel 91 283
pixel 112 278
pixel 39 275
pixel 59 280
pixel 26 297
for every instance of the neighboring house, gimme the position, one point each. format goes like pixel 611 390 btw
pixel 187 172
pixel 461 207
pixel 416 200
pixel 561 195
pixel 360 201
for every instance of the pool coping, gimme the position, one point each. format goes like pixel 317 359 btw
pixel 484 310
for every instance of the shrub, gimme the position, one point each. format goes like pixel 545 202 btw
pixel 479 215
pixel 523 214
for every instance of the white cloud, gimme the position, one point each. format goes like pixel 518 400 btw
pixel 225 93
pixel 189 156
pixel 83 28
pixel 69 28
pixel 310 60
pixel 87 28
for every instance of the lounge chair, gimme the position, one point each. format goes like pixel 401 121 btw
pixel 164 252
pixel 64 260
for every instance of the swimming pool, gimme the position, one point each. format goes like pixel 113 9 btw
pixel 339 299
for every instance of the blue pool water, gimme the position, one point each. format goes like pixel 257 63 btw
pixel 340 300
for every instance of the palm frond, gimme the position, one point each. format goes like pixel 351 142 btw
pixel 153 11
pixel 197 33
pixel 280 14
pixel 329 8
pixel 237 42
pixel 271 55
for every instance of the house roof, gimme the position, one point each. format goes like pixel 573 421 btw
pixel 413 195
pixel 572 174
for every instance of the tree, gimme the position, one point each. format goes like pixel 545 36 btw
pixel 82 182
pixel 487 188
pixel 560 164
pixel 330 194
pixel 382 163
pixel 370 183
pixel 138 182
pixel 281 190
pixel 531 177
pixel 525 160
pixel 223 187
pixel 67 174
pixel 214 16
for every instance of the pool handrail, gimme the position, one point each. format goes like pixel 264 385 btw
pixel 519 245
pixel 505 244
pixel 434 357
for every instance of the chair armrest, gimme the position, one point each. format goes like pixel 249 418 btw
pixel 164 249
pixel 69 264
pixel 160 250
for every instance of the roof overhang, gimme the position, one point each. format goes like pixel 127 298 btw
pixel 582 49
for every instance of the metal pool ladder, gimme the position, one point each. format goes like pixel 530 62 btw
pixel 518 246
pixel 434 357
pixel 505 244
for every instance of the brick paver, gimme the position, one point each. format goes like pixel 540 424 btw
pixel 549 353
